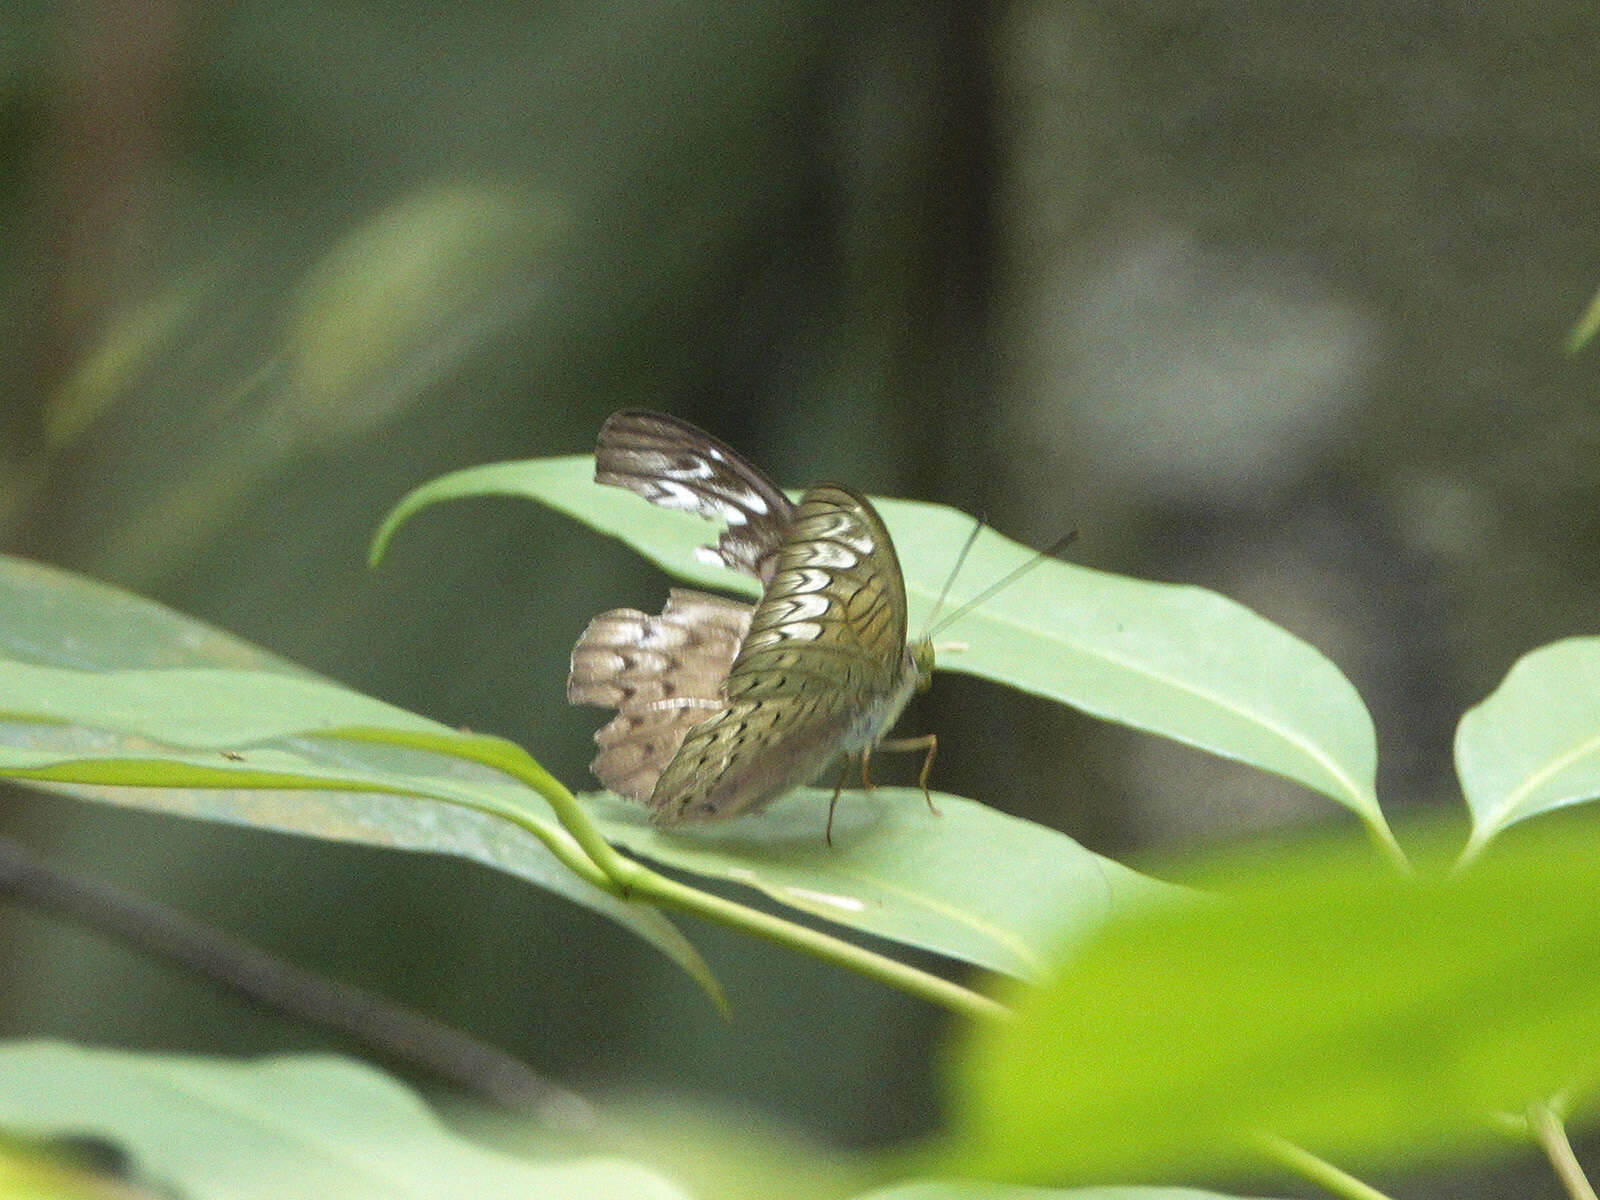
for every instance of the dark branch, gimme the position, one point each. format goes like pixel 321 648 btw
pixel 402 1035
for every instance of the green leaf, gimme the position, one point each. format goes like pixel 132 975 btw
pixel 307 1127
pixel 960 1189
pixel 198 707
pixel 257 747
pixel 63 1169
pixel 275 752
pixel 1534 743
pixel 972 883
pixel 57 619
pixel 1374 1020
pixel 1175 660
pixel 666 538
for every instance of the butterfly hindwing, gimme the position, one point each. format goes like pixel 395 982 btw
pixel 663 674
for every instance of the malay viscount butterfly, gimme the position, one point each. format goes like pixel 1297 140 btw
pixel 721 706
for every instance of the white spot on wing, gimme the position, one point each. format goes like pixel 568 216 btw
pixel 832 556
pixel 798 631
pixel 805 607
pixel 806 579
pixel 675 495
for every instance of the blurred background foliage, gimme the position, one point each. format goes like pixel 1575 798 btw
pixel 1266 298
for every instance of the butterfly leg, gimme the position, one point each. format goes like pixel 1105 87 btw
pixel 838 786
pixel 928 742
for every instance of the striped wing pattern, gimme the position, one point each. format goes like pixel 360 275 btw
pixel 823 669
pixel 671 463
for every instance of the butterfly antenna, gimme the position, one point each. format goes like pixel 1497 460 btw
pixel 949 579
pixel 1006 580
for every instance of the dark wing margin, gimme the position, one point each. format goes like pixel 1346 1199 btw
pixel 672 463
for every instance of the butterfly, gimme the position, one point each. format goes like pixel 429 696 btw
pixel 723 706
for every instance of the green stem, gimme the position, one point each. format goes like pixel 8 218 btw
pixel 1308 1166
pixel 1383 837
pixel 1469 852
pixel 632 879
pixel 669 893
pixel 1552 1136
pixel 516 762
pixel 511 759
pixel 637 880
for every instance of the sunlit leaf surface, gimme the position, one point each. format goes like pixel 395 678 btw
pixel 1534 744
pixel 971 883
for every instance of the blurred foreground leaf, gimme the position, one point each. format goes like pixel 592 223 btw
pixel 1179 661
pixel 65 1168
pixel 961 1189
pixel 285 1128
pixel 1375 1021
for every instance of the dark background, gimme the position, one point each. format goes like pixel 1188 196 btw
pixel 1268 298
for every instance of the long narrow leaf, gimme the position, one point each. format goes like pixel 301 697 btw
pixel 195 740
pixel 1179 661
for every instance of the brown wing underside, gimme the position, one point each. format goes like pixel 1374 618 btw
pixel 671 463
pixel 663 674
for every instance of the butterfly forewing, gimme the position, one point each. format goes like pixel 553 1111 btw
pixel 671 463
pixel 823 669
